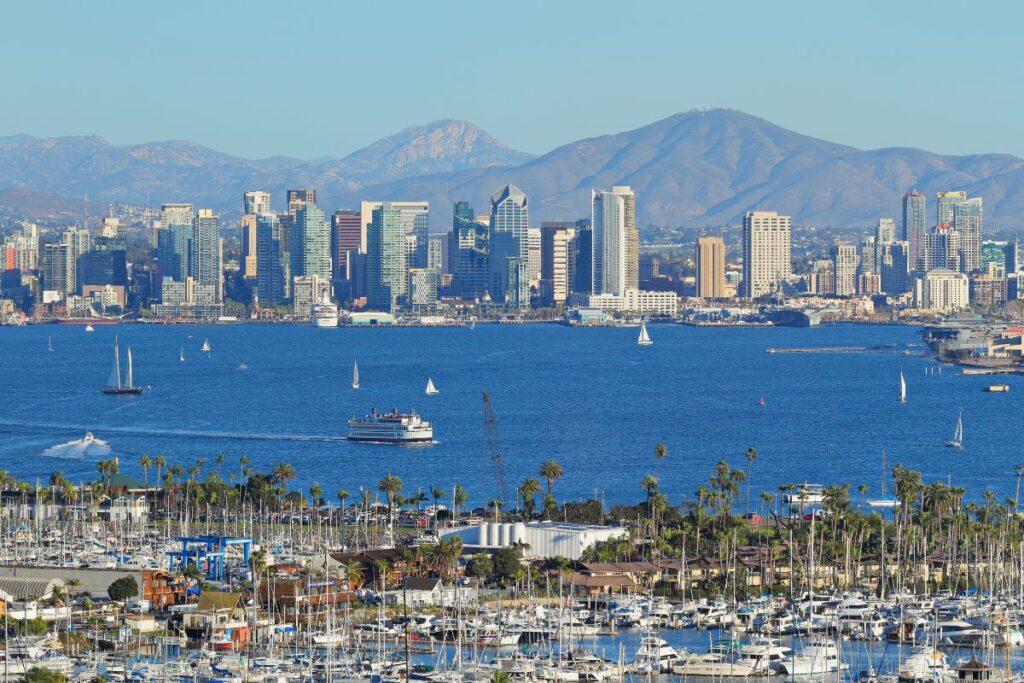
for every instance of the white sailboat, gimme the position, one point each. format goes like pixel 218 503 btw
pixel 355 374
pixel 181 354
pixel 644 339
pixel 89 328
pixel 431 389
pixel 49 344
pixel 903 387
pixel 206 345
pixel 115 387
pixel 472 324
pixel 958 436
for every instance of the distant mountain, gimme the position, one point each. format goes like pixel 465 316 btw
pixel 708 168
pixel 177 170
pixel 701 168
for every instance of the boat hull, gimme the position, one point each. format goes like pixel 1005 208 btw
pixel 399 440
pixel 114 391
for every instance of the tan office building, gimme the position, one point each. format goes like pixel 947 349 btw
pixel 710 267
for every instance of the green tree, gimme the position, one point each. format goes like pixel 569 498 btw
pixel 124 588
pixel 528 491
pixel 551 471
pixel 39 675
pixel 507 566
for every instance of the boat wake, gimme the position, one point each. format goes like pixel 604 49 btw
pixel 87 447
pixel 181 433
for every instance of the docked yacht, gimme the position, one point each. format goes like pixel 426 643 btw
pixel 719 662
pixel 654 655
pixel 924 664
pixel 393 427
pixel 820 656
pixel 764 656
pixel 324 313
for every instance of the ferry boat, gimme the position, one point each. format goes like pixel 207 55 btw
pixel 393 427
pixel 324 313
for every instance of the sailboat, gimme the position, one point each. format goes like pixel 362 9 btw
pixel 355 374
pixel 206 345
pixel 181 354
pixel 431 389
pixel 472 324
pixel 644 339
pixel 958 436
pixel 115 387
pixel 903 388
pixel 49 344
pixel 89 328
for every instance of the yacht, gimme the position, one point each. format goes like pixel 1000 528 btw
pixel 115 385
pixel 821 655
pixel 764 656
pixel 393 427
pixel 924 664
pixel 719 662
pixel 654 655
pixel 324 313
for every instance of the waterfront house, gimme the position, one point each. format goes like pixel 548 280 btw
pixel 124 508
pixel 293 596
pixel 218 620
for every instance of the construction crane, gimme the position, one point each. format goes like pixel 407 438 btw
pixel 494 442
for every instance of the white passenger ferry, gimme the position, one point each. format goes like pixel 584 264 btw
pixel 393 427
pixel 324 313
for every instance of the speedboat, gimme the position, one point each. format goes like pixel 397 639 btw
pixel 654 655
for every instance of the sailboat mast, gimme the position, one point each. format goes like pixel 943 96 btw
pixel 129 367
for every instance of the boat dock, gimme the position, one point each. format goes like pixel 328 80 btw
pixel 821 349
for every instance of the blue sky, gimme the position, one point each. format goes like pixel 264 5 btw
pixel 325 78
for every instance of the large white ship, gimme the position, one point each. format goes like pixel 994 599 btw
pixel 393 427
pixel 324 313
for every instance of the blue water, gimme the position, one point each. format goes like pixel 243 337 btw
pixel 589 398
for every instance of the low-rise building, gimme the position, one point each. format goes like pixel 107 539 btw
pixel 639 301
pixel 541 539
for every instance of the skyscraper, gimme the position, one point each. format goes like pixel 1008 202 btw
pixel 945 206
pixel 206 255
pixel 415 217
pixel 556 246
pixel 915 218
pixel 844 265
pixel 509 248
pixel 766 252
pixel 533 256
pixel 247 224
pixel 942 248
pixel 616 248
pixel 895 268
pixel 256 202
pixel 967 220
pixel 386 265
pixel 311 243
pixel 175 214
pixel 270 260
pixel 346 236
pixel 471 247
pixel 709 260
pixel 296 198
pixel 885 233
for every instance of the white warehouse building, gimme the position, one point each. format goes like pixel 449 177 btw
pixel 545 539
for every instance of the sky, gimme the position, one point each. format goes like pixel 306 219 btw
pixel 316 79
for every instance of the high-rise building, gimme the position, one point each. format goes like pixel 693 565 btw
pixel 557 243
pixel 57 268
pixel 270 260
pixel 895 268
pixel 915 220
pixel 415 218
pixel 175 214
pixel 942 248
pixel 709 262
pixel 386 265
pixel 581 258
pixel 946 205
pixel 471 246
pixel 346 236
pixel 310 247
pixel 885 233
pixel 422 289
pixel 766 252
pixel 945 290
pixel 509 248
pixel 104 264
pixel 174 252
pixel 247 224
pixel 256 202
pixel 967 220
pixel 844 265
pixel 206 253
pixel 297 198
pixel 533 256
pixel 616 247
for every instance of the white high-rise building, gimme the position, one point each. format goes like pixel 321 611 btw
pixel 533 256
pixel 844 265
pixel 175 214
pixel 616 247
pixel 257 202
pixel 945 290
pixel 766 252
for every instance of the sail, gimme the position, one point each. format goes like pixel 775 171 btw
pixel 181 354
pixel 115 373
pixel 129 377
pixel 903 388
pixel 355 374
pixel 431 389
pixel 959 435
pixel 644 338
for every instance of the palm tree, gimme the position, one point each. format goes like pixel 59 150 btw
pixel 159 463
pixel 283 473
pixel 145 462
pixel 220 462
pixel 660 452
pixel 751 457
pixel 495 505
pixel 343 495
pixel 550 471
pixel 315 492
pixel 390 486
pixel 528 491
pixel 459 498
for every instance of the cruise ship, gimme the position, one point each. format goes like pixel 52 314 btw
pixel 324 313
pixel 393 427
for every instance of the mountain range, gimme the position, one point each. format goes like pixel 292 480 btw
pixel 699 168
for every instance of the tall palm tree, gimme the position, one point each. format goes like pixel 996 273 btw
pixel 528 491
pixel 459 498
pixel 343 495
pixel 390 486
pixel 315 492
pixel 159 462
pixel 283 473
pixel 660 452
pixel 751 456
pixel 550 471
pixel 220 462
pixel 145 462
